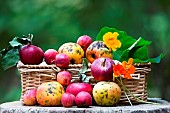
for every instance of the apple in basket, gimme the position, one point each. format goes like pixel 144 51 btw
pixel 62 60
pixel 50 55
pixel 102 69
pixel 31 54
pixel 64 78
pixel 84 41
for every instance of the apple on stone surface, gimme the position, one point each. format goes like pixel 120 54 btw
pixel 84 41
pixel 50 55
pixel 68 100
pixel 62 60
pixel 29 97
pixel 31 54
pixel 102 69
pixel 83 99
pixel 64 78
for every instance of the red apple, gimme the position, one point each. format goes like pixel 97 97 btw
pixel 83 99
pixel 62 60
pixel 75 88
pixel 29 97
pixel 102 69
pixel 30 54
pixel 84 41
pixel 50 55
pixel 64 78
pixel 68 100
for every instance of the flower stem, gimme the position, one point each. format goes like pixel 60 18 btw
pixel 120 81
pixel 126 89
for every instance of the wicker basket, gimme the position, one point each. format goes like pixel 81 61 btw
pixel 34 75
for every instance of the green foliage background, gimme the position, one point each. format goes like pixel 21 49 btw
pixel 54 22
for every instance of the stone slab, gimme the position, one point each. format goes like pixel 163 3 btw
pixel 17 107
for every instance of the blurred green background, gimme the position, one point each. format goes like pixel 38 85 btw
pixel 54 22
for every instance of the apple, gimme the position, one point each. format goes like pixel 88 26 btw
pixel 31 54
pixel 83 99
pixel 84 41
pixel 50 55
pixel 29 97
pixel 62 60
pixel 102 69
pixel 64 78
pixel 75 88
pixel 68 100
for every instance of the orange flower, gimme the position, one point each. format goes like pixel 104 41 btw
pixel 118 70
pixel 130 69
pixel 125 69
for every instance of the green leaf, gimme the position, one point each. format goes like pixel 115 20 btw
pixel 157 59
pixel 125 55
pixel 15 43
pixel 130 48
pixel 24 40
pixel 84 66
pixel 137 50
pixel 10 59
pixel 83 77
pixel 140 53
pixel 117 55
pixel 87 80
pixel 4 51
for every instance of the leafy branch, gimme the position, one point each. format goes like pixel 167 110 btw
pixel 10 55
pixel 83 70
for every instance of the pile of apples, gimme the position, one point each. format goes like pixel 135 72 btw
pixel 79 94
pixel 31 54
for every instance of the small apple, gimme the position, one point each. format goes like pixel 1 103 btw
pixel 68 100
pixel 102 69
pixel 84 41
pixel 83 99
pixel 62 60
pixel 29 97
pixel 50 55
pixel 64 78
pixel 30 54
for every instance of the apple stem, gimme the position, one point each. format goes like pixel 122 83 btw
pixel 103 64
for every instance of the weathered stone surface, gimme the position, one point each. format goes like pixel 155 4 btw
pixel 17 107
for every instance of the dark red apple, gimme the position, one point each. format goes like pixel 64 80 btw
pixel 64 78
pixel 83 99
pixel 75 88
pixel 102 69
pixel 68 100
pixel 84 41
pixel 50 55
pixel 62 60
pixel 31 54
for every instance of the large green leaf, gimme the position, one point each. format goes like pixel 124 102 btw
pixel 10 59
pixel 130 48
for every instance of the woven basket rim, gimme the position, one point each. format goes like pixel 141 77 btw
pixel 44 65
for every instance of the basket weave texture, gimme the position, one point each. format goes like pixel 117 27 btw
pixel 34 75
